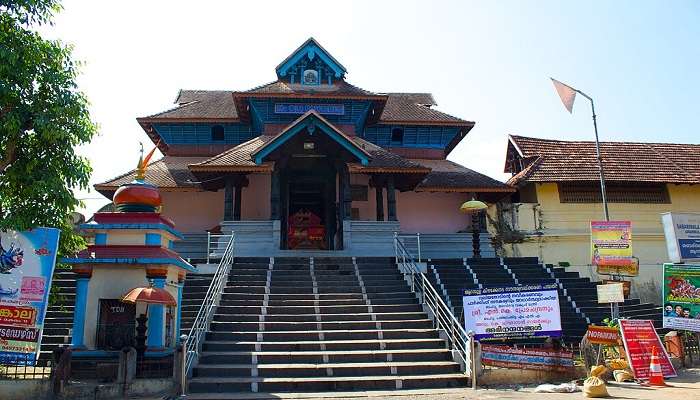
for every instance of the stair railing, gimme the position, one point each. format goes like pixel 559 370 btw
pixel 461 342
pixel 206 310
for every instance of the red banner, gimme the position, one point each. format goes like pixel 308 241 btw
pixel 639 336
pixel 603 335
pixel 17 316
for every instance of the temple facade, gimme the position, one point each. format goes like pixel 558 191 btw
pixel 311 162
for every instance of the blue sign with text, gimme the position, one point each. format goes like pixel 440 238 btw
pixel 300 108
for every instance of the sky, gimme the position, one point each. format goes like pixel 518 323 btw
pixel 484 61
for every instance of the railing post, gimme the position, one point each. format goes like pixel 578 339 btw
pixel 472 358
pixel 208 245
pixel 418 239
pixel 183 370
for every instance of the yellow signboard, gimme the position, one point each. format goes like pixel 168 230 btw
pixel 611 248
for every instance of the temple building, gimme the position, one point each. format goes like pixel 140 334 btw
pixel 312 162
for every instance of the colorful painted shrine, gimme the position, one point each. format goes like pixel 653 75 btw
pixel 130 248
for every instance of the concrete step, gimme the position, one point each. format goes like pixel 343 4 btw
pixel 354 334
pixel 285 326
pixel 214 344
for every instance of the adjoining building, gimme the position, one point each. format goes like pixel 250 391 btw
pixel 558 194
pixel 312 162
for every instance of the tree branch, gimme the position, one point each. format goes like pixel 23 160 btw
pixel 9 157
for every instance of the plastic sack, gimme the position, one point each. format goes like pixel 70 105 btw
pixel 618 363
pixel 622 376
pixel 595 386
pixel 563 388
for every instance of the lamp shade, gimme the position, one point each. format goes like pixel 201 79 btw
pixel 473 205
pixel 149 295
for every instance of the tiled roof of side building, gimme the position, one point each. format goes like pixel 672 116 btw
pixel 446 175
pixel 168 173
pixel 558 160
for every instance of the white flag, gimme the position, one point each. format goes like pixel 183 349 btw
pixel 567 94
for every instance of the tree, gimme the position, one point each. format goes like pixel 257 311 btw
pixel 43 117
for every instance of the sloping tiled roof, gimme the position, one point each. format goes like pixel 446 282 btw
pixel 446 175
pixel 338 88
pixel 237 158
pixel 557 160
pixel 384 161
pixel 414 108
pixel 200 104
pixel 167 173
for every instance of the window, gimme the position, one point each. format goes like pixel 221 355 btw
pixel 634 193
pixel 358 192
pixel 217 133
pixel 397 136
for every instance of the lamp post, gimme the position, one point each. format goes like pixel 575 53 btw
pixel 474 208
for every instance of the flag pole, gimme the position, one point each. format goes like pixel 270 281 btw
pixel 603 191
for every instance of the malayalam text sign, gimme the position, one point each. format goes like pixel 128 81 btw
pixel 512 312
pixel 682 231
pixel 521 358
pixel 681 297
pixel 611 247
pixel 611 293
pixel 27 261
pixel 639 336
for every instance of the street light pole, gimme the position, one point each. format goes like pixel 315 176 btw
pixel 603 191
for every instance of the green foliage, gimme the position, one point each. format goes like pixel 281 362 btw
pixel 43 117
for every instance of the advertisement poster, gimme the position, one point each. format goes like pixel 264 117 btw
pixel 27 261
pixel 520 358
pixel 682 231
pixel 639 336
pixel 611 248
pixel 603 335
pixel 512 312
pixel 681 297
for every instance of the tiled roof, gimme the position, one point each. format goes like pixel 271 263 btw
pixel 415 107
pixel 383 160
pixel 238 157
pixel 557 160
pixel 167 173
pixel 200 104
pixel 446 175
pixel 338 88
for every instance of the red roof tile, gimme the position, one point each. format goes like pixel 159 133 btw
pixel 169 172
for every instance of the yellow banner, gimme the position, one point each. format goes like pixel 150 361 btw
pixel 611 248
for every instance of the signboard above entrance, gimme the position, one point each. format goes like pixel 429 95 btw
pixel 300 108
pixel 682 236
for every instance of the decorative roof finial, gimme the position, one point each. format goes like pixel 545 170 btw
pixel 143 163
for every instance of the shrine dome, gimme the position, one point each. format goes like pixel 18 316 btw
pixel 138 196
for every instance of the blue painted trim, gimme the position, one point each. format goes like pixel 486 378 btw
pixel 132 226
pixel 153 239
pixel 172 261
pixel 179 313
pixel 363 117
pixel 81 297
pixel 307 122
pixel 171 244
pixel 101 239
pixel 156 320
pixel 308 50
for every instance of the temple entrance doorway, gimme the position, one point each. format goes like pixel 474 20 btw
pixel 309 220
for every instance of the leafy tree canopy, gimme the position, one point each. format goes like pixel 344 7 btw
pixel 43 117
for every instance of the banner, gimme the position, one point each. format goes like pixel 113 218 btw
pixel 603 335
pixel 519 358
pixel 681 297
pixel 512 312
pixel 611 248
pixel 639 336
pixel 682 231
pixel 611 293
pixel 27 261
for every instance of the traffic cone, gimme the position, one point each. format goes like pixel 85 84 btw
pixel 656 376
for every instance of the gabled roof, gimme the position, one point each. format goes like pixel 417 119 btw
pixel 199 105
pixel 310 120
pixel 236 159
pixel 415 108
pixel 310 49
pixel 448 176
pixel 337 89
pixel 546 160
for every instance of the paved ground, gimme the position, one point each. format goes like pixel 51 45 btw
pixel 685 387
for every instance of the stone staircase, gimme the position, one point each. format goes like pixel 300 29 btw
pixel 317 325
pixel 58 322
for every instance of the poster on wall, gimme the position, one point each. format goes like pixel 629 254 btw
pixel 512 312
pixel 522 358
pixel 639 337
pixel 682 231
pixel 611 248
pixel 681 297
pixel 27 261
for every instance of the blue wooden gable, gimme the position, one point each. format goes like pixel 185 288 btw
pixel 310 64
pixel 203 133
pixel 285 111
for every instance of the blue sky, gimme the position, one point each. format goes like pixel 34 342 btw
pixel 486 61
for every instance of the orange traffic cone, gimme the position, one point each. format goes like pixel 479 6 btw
pixel 656 376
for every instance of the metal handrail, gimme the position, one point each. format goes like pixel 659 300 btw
pixel 445 321
pixel 214 243
pixel 210 302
